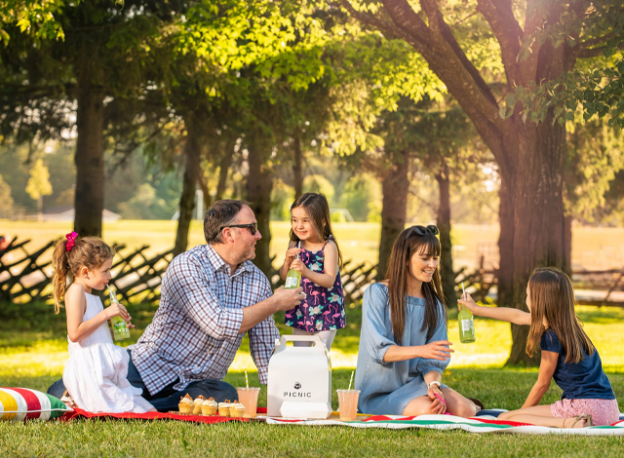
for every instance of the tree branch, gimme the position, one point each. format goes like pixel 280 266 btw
pixel 595 41
pixel 463 75
pixel 499 14
pixel 594 52
pixel 372 20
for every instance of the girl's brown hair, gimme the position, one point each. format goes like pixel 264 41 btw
pixel 408 244
pixel 89 252
pixel 317 208
pixel 552 300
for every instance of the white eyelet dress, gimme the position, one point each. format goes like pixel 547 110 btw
pixel 96 373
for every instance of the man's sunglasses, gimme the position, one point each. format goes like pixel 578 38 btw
pixel 253 227
pixel 422 230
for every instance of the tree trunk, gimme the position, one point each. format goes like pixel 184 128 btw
pixel 203 185
pixel 259 187
pixel 187 199
pixel 538 229
pixel 567 244
pixel 39 209
pixel 444 226
pixel 89 197
pixel 505 245
pixel 394 208
pixel 298 167
pixel 224 167
pixel 529 156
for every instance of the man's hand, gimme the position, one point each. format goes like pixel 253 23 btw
pixel 286 299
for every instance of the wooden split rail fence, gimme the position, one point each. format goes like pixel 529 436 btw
pixel 26 276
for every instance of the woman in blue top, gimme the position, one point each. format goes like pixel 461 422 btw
pixel 568 356
pixel 403 343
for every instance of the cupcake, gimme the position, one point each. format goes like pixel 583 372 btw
pixel 209 407
pixel 197 407
pixel 237 410
pixel 224 408
pixel 186 404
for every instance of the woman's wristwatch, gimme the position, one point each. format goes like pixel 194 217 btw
pixel 435 382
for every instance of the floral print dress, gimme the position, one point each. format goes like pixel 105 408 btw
pixel 323 308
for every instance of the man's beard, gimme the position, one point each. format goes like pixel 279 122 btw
pixel 247 256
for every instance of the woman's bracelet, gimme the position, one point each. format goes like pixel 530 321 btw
pixel 435 382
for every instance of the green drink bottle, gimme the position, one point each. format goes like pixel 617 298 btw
pixel 293 277
pixel 120 329
pixel 466 324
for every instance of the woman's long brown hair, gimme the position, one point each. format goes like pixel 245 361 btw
pixel 317 208
pixel 552 299
pixel 407 245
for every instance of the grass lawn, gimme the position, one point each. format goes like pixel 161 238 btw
pixel 33 351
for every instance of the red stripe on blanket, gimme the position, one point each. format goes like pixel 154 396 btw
pixel 32 403
pixel 492 422
pixel 149 416
pixel 501 422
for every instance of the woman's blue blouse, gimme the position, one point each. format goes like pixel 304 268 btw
pixel 387 388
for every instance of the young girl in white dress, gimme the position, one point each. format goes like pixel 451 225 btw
pixel 95 374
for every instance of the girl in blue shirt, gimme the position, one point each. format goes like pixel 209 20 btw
pixel 568 356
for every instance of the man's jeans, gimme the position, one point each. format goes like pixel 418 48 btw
pixel 168 398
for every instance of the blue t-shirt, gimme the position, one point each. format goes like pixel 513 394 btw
pixel 582 380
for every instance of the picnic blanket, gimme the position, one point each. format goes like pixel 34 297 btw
pixel 486 423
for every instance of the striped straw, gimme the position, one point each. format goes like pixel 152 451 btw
pixel 246 379
pixel 463 292
pixel 351 381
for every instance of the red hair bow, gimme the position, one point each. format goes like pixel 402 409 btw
pixel 71 240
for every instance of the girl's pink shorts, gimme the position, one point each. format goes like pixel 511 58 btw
pixel 603 411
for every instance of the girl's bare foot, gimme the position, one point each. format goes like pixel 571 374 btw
pixel 577 422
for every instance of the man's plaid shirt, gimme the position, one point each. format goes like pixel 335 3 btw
pixel 194 334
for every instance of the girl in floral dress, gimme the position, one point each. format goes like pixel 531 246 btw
pixel 313 252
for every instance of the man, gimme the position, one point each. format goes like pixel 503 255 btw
pixel 211 296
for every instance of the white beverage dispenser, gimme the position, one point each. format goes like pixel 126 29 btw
pixel 299 379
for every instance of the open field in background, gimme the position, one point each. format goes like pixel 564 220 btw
pixel 592 248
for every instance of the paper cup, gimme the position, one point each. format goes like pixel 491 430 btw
pixel 249 398
pixel 348 401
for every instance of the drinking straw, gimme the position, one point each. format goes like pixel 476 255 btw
pixel 441 400
pixel 351 381
pixel 246 379
pixel 113 298
pixel 463 291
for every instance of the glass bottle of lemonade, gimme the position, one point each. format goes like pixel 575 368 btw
pixel 293 277
pixel 466 326
pixel 120 329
